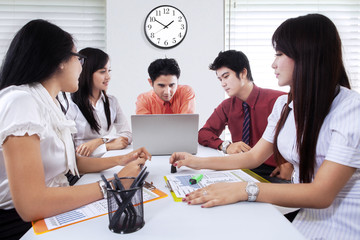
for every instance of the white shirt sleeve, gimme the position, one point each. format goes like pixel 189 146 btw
pixel 19 116
pixel 345 134
pixel 273 119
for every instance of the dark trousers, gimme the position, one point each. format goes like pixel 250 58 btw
pixel 11 225
pixel 72 179
pixel 265 170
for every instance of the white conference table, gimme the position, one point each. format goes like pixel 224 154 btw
pixel 167 219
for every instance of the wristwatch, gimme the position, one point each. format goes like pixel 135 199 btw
pixel 224 146
pixel 105 140
pixel 252 190
pixel 103 188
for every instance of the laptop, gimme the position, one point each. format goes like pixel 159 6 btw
pixel 163 134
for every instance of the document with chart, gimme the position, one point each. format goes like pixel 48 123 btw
pixel 89 211
pixel 180 185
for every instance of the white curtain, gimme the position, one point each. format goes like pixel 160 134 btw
pixel 84 19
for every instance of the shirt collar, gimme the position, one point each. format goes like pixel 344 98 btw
pixel 159 100
pixel 102 97
pixel 291 105
pixel 253 97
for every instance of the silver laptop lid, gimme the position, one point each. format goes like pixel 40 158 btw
pixel 163 134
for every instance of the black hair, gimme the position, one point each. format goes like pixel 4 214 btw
pixel 314 44
pixel 95 59
pixel 165 66
pixel 234 60
pixel 35 53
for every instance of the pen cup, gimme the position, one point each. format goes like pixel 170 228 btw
pixel 126 208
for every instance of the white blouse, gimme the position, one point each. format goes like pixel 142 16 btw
pixel 84 132
pixel 338 141
pixel 29 109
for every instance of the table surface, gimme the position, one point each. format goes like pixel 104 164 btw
pixel 167 219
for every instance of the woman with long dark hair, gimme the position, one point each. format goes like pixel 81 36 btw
pixel 94 111
pixel 315 128
pixel 36 145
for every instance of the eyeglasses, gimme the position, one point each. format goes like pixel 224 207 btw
pixel 81 57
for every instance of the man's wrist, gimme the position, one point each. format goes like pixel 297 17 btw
pixel 220 147
pixel 224 146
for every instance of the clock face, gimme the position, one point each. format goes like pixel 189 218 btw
pixel 165 26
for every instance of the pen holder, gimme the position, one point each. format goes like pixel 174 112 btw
pixel 126 208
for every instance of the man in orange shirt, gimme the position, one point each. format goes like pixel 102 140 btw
pixel 167 96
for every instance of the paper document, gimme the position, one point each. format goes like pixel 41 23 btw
pixel 94 209
pixel 181 186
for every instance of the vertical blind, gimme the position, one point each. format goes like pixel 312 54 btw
pixel 249 26
pixel 84 19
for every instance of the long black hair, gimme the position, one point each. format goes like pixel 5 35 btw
pixel 35 53
pixel 313 42
pixel 95 59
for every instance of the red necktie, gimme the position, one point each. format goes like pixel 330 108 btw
pixel 167 108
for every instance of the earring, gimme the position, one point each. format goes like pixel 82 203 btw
pixel 61 66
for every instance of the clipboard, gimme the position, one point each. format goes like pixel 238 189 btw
pixel 41 227
pixel 176 199
pixel 247 171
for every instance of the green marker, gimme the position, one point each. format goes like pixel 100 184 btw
pixel 195 179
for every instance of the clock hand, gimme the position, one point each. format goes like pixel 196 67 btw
pixel 161 23
pixel 165 26
pixel 159 30
pixel 169 24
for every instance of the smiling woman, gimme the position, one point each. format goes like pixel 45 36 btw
pixel 94 112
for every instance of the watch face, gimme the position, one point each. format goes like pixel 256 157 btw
pixel 252 190
pixel 165 26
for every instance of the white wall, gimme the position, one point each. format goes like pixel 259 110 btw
pixel 131 53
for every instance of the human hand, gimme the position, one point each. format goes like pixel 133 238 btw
pixel 237 147
pixel 217 194
pixel 138 153
pixel 117 144
pixel 284 171
pixel 132 169
pixel 179 159
pixel 86 149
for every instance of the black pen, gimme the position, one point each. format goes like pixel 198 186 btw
pixel 142 172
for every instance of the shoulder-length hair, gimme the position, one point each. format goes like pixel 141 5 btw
pixel 35 53
pixel 95 59
pixel 313 42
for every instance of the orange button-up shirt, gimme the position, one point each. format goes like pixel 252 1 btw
pixel 183 101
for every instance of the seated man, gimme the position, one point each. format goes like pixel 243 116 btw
pixel 246 123
pixel 167 96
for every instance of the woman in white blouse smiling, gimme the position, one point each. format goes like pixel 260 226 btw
pixel 36 145
pixel 96 113
pixel 316 128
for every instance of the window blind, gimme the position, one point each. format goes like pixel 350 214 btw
pixel 84 19
pixel 249 26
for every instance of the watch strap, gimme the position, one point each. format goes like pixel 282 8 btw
pixel 103 188
pixel 252 190
pixel 224 146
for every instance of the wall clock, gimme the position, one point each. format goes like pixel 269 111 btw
pixel 165 26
